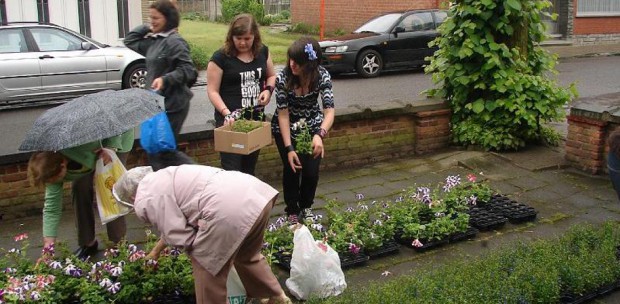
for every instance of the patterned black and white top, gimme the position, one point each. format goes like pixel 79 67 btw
pixel 306 106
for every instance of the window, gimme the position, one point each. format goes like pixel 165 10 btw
pixel 43 11
pixel 123 17
pixel 84 17
pixel 50 40
pixel 12 41
pixel 598 8
pixel 418 22
pixel 440 17
pixel 3 12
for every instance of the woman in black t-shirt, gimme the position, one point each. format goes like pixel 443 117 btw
pixel 240 77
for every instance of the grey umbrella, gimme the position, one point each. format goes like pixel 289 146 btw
pixel 91 117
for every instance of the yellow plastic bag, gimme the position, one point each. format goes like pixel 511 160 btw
pixel 105 177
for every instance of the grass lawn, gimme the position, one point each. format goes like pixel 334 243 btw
pixel 210 36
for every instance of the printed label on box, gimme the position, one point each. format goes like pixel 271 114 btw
pixel 238 146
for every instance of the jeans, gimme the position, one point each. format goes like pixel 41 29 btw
pixel 613 166
pixel 299 187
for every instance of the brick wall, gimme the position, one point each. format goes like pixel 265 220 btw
pixel 357 138
pixel 585 143
pixel 590 122
pixel 347 15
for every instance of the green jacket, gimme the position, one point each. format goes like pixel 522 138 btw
pixel 84 155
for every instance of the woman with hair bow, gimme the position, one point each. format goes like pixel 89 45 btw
pixel 298 88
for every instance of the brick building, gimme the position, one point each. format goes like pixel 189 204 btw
pixel 347 15
pixel 578 22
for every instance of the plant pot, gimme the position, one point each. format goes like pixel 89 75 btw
pixel 484 220
pixel 426 244
pixel 348 260
pixel 470 233
pixel 389 247
pixel 283 259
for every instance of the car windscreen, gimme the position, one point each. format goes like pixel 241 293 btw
pixel 381 24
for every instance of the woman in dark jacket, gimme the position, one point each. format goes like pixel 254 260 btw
pixel 170 70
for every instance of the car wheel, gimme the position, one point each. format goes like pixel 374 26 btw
pixel 369 64
pixel 135 76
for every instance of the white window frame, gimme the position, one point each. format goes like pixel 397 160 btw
pixel 612 5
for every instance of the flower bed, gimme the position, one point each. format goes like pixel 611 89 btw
pixel 123 276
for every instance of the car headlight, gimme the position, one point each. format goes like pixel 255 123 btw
pixel 336 49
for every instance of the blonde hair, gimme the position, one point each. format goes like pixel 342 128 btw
pixel 43 166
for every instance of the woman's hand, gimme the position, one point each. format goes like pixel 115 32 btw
pixel 229 120
pixel 154 254
pixel 104 155
pixel 264 98
pixel 158 84
pixel 293 161
pixel 317 146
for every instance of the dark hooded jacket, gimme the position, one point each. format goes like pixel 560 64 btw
pixel 167 55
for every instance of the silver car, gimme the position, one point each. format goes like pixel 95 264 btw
pixel 46 61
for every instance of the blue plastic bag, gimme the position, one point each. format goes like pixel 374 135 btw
pixel 156 134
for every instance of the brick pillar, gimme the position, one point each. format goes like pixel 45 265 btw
pixel 585 143
pixel 432 130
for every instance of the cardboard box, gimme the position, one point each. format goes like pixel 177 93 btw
pixel 227 140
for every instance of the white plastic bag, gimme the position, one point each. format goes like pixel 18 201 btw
pixel 315 270
pixel 105 177
pixel 234 288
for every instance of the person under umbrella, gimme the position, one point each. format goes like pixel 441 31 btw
pixel 77 165
pixel 218 216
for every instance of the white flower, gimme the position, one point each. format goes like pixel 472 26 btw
pixel 105 283
pixel 116 271
pixel 386 273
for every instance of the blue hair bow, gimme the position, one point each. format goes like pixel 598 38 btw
pixel 310 51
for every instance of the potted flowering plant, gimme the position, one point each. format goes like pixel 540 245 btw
pixel 303 138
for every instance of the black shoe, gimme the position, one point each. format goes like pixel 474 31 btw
pixel 85 252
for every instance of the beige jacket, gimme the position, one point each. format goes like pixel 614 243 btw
pixel 207 210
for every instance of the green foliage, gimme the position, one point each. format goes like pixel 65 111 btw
pixel 200 55
pixel 494 75
pixel 194 16
pixel 247 120
pixel 302 136
pixel 232 8
pixel 304 28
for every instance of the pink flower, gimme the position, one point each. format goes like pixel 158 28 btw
pixel 471 178
pixel 137 255
pixel 21 237
pixel 354 248
pixel 417 243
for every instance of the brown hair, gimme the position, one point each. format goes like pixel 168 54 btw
pixel 170 12
pixel 300 52
pixel 241 25
pixel 42 166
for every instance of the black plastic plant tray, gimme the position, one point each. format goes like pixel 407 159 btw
pixel 521 216
pixel 426 245
pixel 283 260
pixel 569 298
pixel 470 233
pixel 490 222
pixel 389 247
pixel 348 260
